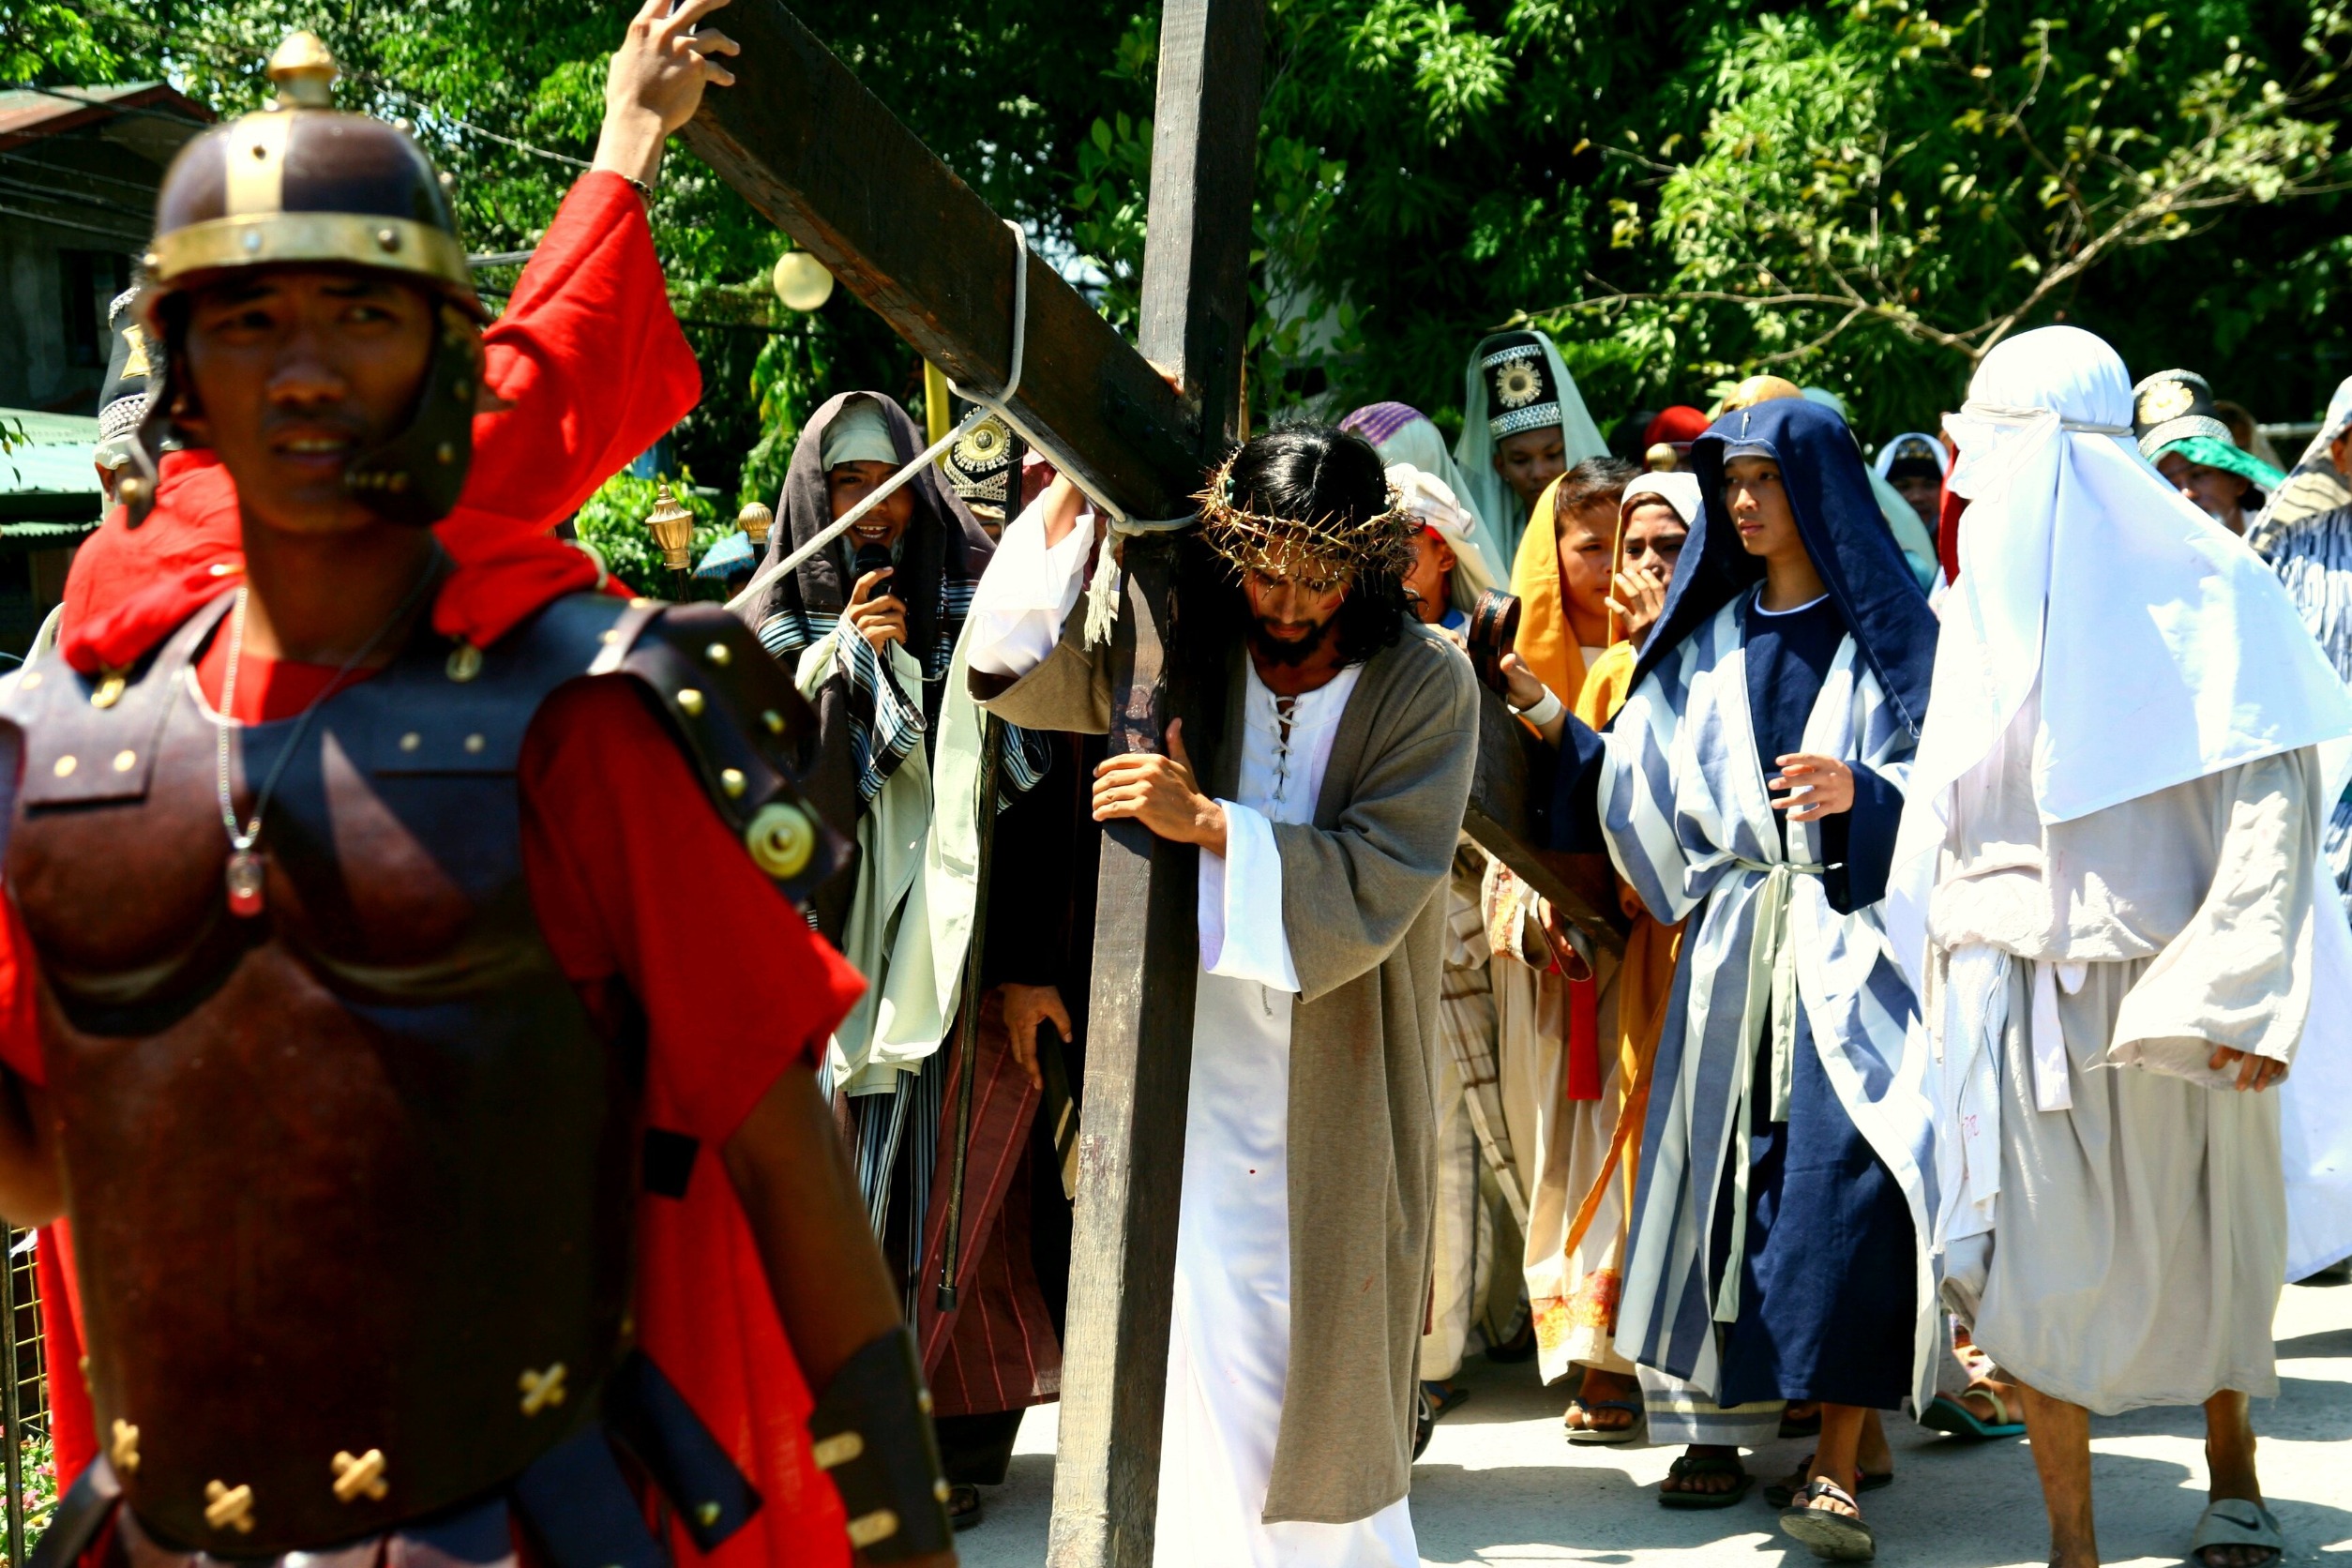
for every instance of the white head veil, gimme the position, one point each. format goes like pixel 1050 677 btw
pixel 2164 648
pixel 2313 485
pixel 1431 502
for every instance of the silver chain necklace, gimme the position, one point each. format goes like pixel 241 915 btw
pixel 245 875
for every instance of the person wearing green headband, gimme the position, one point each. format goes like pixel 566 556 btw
pixel 2180 431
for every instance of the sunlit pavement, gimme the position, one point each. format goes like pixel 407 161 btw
pixel 1499 1485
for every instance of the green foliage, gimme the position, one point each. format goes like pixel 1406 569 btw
pixel 1864 194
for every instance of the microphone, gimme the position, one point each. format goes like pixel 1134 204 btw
pixel 871 558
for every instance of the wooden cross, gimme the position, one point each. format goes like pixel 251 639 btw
pixel 825 160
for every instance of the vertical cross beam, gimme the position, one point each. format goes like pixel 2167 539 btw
pixel 1138 1054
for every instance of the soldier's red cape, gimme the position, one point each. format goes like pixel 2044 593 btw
pixel 594 370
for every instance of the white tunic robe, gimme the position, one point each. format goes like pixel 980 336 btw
pixel 1229 1336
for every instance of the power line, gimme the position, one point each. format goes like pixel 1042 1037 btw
pixel 217 49
pixel 144 188
pixel 132 241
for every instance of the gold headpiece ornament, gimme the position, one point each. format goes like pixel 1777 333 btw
pixel 1317 553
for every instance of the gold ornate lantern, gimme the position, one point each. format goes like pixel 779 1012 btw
pixel 673 528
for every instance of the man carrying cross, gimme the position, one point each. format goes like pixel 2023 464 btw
pixel 1326 816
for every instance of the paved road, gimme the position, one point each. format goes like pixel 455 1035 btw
pixel 1500 1485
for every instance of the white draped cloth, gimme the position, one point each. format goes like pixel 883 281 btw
pixel 2113 664
pixel 1229 1335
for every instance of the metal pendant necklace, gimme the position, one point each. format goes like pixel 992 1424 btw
pixel 245 875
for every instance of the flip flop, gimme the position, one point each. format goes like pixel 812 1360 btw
pixel 1452 1400
pixel 1783 1493
pixel 1424 1420
pixel 963 1506
pixel 2237 1522
pixel 1693 1464
pixel 1836 1537
pixel 1601 1437
pixel 1806 1426
pixel 1946 1414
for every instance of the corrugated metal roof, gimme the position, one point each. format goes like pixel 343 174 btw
pixel 48 478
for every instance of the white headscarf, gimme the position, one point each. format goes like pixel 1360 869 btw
pixel 2313 485
pixel 2164 648
pixel 1885 458
pixel 1431 502
pixel 1500 510
pixel 1677 489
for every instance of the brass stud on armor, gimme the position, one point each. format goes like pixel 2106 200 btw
pixel 719 655
pixel 66 765
pixel 867 1529
pixel 541 1389
pixel 388 238
pixel 781 839
pixel 732 780
pixel 109 690
pixel 465 662
pixel 641 602
pixel 475 744
pixel 691 702
pixel 838 1449
pixel 362 1477
pixel 774 721
pixel 126 761
pixel 707 1514
pixel 411 741
pixel 228 1507
pixel 446 453
pixel 123 1452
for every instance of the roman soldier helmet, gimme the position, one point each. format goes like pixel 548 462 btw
pixel 301 184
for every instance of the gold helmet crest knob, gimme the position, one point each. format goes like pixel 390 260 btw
pixel 304 72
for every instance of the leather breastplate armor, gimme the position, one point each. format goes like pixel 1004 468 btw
pixel 353 1181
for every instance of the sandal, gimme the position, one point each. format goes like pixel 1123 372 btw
pixel 1946 1414
pixel 2237 1522
pixel 1595 1437
pixel 1783 1493
pixel 1690 1465
pixel 1837 1537
pixel 1802 1426
pixel 963 1506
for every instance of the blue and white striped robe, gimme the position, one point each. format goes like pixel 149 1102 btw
pixel 1682 803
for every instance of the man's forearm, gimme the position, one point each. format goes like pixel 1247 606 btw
pixel 30 1191
pixel 831 1287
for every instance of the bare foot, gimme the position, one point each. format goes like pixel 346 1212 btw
pixel 1584 1412
pixel 1711 1481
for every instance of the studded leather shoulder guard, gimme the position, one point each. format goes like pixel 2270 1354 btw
pixel 872 1434
pixel 748 729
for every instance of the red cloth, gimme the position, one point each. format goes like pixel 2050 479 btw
pixel 997 1351
pixel 596 368
pixel 628 886
pixel 1584 1040
pixel 1947 512
pixel 1678 426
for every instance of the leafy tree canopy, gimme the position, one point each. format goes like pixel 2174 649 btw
pixel 1864 196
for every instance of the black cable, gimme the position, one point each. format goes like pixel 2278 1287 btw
pixel 69 198
pixel 144 188
pixel 130 241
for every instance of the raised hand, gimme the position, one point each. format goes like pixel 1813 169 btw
pixel 655 83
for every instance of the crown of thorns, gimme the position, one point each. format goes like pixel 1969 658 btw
pixel 1318 553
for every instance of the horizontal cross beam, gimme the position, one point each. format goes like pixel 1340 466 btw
pixel 825 160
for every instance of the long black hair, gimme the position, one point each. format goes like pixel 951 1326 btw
pixel 1314 473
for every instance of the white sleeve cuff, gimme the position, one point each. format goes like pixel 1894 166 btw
pixel 1241 934
pixel 1026 593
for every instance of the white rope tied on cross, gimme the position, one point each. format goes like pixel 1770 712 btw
pixel 982 406
pixel 1102 604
